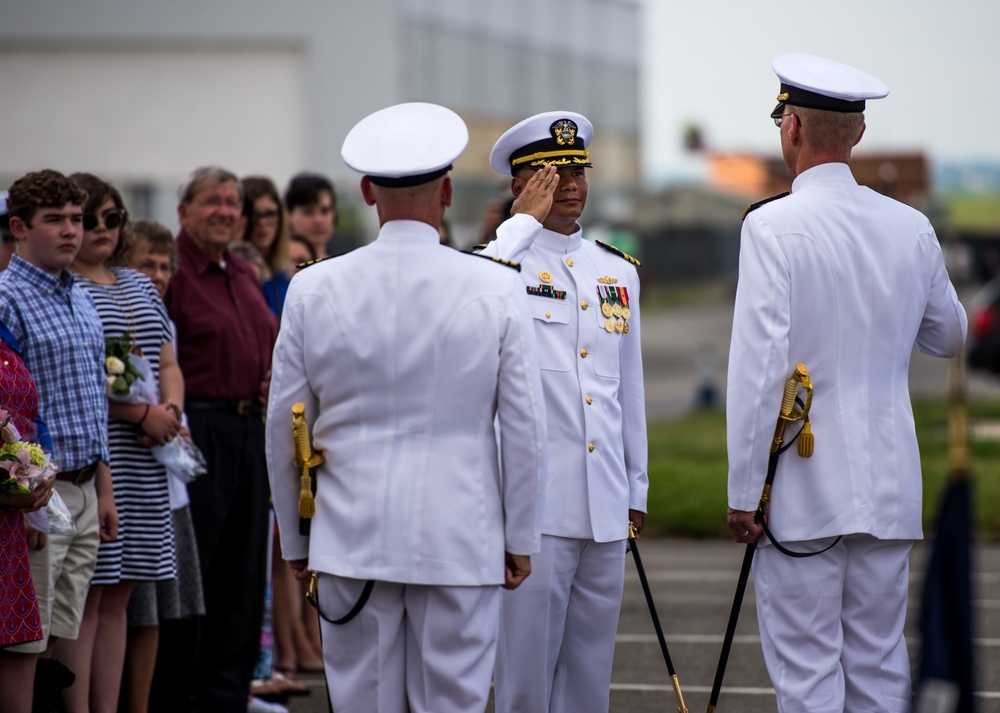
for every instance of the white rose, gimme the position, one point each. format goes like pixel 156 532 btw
pixel 114 365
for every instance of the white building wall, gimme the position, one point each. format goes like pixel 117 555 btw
pixel 143 91
pixel 151 116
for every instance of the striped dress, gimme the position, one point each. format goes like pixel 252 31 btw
pixel 144 549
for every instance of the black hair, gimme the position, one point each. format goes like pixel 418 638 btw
pixel 305 188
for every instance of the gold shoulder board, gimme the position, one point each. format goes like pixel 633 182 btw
pixel 619 253
pixel 758 204
pixel 498 260
pixel 304 265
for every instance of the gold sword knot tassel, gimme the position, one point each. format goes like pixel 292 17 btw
pixel 305 458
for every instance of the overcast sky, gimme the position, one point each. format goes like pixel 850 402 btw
pixel 709 63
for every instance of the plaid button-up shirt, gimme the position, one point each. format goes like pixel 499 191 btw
pixel 62 342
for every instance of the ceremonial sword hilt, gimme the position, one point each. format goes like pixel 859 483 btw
pixel 306 459
pixel 806 442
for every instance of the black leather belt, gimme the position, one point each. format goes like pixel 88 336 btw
pixel 80 475
pixel 240 407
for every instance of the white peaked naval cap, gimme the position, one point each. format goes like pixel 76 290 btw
pixel 406 144
pixel 820 83
pixel 558 138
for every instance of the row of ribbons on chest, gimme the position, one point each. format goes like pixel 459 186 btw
pixel 613 300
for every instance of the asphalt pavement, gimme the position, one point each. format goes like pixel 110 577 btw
pixel 685 352
pixel 693 583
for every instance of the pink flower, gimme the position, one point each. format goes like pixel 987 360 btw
pixel 9 433
pixel 22 468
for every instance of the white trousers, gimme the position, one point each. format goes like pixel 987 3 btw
pixel 411 649
pixel 831 626
pixel 557 630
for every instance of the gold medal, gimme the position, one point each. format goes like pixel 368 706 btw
pixel 606 309
pixel 609 325
pixel 619 327
pixel 545 276
pixel 625 328
pixel 626 313
pixel 617 310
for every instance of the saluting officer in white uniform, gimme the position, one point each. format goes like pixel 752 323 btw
pixel 558 631
pixel 404 352
pixel 846 281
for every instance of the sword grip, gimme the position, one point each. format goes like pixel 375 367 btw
pixel 300 432
pixel 304 459
pixel 788 398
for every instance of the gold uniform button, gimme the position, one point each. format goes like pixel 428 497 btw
pixel 569 262
pixel 589 401
pixel 584 305
pixel 591 447
pixel 583 353
pixel 548 314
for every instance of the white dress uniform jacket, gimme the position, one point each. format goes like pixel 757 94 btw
pixel 404 352
pixel 592 379
pixel 846 281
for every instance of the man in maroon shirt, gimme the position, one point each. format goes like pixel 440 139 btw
pixel 225 334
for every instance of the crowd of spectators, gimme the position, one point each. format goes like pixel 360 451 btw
pixel 145 583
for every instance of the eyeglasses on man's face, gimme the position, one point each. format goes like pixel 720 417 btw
pixel 111 219
pixel 779 119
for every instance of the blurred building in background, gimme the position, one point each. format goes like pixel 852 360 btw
pixel 141 92
pixel 904 176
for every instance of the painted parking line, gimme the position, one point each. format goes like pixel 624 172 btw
pixel 684 639
pixel 715 575
pixel 745 639
pixel 653 687
pixel 708 598
pixel 733 690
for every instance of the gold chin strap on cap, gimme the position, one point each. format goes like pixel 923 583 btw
pixel 585 155
pixel 306 459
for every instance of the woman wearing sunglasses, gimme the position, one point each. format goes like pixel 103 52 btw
pixel 129 307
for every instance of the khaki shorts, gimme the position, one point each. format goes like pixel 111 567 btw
pixel 62 570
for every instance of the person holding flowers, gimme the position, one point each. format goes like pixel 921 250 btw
pixel 24 487
pixel 60 336
pixel 145 392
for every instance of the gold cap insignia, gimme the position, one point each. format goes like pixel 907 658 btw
pixel 783 97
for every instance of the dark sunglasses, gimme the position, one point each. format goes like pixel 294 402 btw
pixel 112 220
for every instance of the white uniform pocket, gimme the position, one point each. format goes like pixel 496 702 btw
pixel 556 340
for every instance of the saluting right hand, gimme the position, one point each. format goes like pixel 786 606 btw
pixel 536 197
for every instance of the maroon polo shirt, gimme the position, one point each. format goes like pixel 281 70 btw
pixel 225 330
